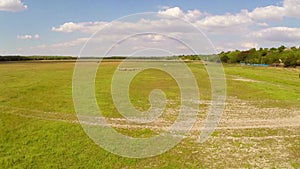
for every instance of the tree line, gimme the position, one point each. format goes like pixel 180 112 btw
pixel 27 58
pixel 288 57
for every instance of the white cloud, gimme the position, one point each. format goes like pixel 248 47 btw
pixel 167 22
pixel 193 15
pixel 69 48
pixel 249 45
pixel 263 24
pixel 123 26
pixel 242 30
pixel 172 12
pixel 73 43
pixel 278 34
pixel 238 21
pixel 70 27
pixel 155 38
pixel 25 37
pixel 163 7
pixel 268 12
pixel 36 36
pixel 292 8
pixel 232 45
pixel 176 12
pixel 228 21
pixel 12 5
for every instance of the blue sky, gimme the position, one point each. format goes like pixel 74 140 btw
pixel 61 27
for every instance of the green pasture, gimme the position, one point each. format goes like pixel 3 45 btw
pixel 31 91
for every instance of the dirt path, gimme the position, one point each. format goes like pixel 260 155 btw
pixel 228 122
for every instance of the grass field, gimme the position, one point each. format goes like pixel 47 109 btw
pixel 260 127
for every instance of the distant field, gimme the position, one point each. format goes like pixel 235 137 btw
pixel 259 127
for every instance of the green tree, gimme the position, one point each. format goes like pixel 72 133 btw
pixel 281 48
